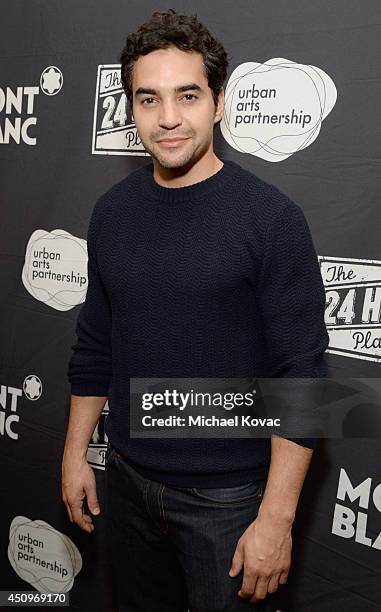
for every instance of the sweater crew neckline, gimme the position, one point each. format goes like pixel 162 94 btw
pixel 181 194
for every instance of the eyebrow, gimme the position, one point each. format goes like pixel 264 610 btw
pixel 180 88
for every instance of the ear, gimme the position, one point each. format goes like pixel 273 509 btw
pixel 220 106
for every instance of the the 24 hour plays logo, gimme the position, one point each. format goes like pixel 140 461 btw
pixel 96 450
pixel 353 306
pixel 18 122
pixel 114 130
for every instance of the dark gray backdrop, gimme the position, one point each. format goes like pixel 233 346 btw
pixel 54 184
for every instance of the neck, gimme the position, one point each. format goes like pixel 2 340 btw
pixel 199 190
pixel 189 174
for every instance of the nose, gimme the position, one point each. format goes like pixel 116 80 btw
pixel 170 115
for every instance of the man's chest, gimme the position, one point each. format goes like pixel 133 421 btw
pixel 194 253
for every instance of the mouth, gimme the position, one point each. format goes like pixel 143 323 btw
pixel 171 142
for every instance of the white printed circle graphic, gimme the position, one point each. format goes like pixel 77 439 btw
pixel 55 269
pixel 42 556
pixel 51 80
pixel 32 387
pixel 275 109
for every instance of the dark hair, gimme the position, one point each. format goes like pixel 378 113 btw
pixel 186 32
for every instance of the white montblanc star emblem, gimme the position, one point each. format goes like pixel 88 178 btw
pixel 32 387
pixel 51 80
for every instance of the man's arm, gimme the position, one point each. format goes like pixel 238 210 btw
pixel 78 480
pixel 89 372
pixel 265 547
pixel 84 415
pixel 288 468
pixel 291 301
pixel 90 366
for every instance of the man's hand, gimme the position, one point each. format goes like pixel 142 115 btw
pixel 78 482
pixel 264 550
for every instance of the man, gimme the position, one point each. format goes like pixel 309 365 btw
pixel 196 268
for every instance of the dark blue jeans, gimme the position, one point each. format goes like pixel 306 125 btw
pixel 172 546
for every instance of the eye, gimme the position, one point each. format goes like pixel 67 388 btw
pixel 191 95
pixel 146 100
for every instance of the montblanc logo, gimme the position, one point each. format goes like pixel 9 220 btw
pixel 9 404
pixel 275 109
pixel 353 306
pixel 114 130
pixel 18 107
pixel 51 80
pixel 350 519
pixel 32 387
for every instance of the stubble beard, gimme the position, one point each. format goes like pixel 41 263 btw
pixel 172 159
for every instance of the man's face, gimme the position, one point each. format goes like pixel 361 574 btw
pixel 162 110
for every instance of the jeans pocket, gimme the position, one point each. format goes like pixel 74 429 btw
pixel 239 494
pixel 111 455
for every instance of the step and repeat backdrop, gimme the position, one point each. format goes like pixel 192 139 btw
pixel 302 112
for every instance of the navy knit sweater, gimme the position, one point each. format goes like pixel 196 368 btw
pixel 216 279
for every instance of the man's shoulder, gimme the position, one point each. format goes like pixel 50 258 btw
pixel 119 194
pixel 124 187
pixel 263 198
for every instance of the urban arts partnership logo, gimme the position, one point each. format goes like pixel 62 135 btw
pixel 352 522
pixel 114 130
pixel 18 107
pixel 55 268
pixel 274 109
pixel 43 556
pixel 9 396
pixel 98 444
pixel 353 306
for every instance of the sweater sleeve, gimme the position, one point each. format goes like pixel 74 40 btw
pixel 291 300
pixel 89 369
